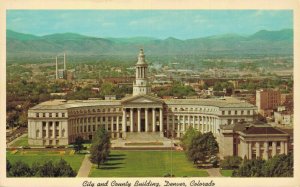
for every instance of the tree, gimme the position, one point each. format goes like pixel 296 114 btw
pixel 78 144
pixel 63 169
pixel 100 147
pixel 188 136
pixel 280 166
pixel 20 169
pixel 250 168
pixel 202 147
pixel 231 162
pixel 47 169
pixel 8 167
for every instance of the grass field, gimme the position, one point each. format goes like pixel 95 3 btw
pixel 22 141
pixel 41 156
pixel 146 164
pixel 226 172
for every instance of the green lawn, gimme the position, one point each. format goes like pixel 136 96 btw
pixel 146 164
pixel 23 141
pixel 41 156
pixel 226 172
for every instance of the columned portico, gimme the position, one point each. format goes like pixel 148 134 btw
pixel 140 122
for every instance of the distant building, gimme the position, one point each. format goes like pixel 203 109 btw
pixel 253 140
pixel 267 100
pixel 284 118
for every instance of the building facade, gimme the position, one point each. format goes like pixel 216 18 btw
pixel 59 122
pixel 253 140
pixel 267 100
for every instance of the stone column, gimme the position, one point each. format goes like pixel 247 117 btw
pixel 118 133
pixel 161 122
pixel 202 126
pixel 178 129
pixel 131 120
pixel 54 128
pixel 257 150
pixel 146 119
pixel 124 123
pixel 139 120
pixel 168 125
pixel 153 120
pixel 193 121
pixel 285 148
pixel 47 129
pixel 266 149
pixel 106 123
pixel 60 127
pixel 112 124
pixel 274 148
pixel 173 122
pixel 281 147
pixel 250 150
pixel 198 124
pixel 183 125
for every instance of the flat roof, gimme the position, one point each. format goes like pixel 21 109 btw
pixel 227 102
pixel 217 102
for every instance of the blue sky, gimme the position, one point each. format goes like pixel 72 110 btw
pixel 182 24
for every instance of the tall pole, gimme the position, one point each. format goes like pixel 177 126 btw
pixel 56 68
pixel 65 61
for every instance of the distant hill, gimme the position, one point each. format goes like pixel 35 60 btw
pixel 262 42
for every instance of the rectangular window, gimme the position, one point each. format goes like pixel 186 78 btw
pixel 84 129
pixel 44 124
pixel 56 115
pixel 50 115
pixel 229 112
pixel 37 115
pixel 270 144
pixel 278 144
pixel 89 128
pixel 44 115
pixel 63 115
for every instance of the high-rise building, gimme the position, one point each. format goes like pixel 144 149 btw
pixel 267 100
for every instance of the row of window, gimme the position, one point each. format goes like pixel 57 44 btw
pixel 174 109
pixel 49 114
pixel 89 111
pixel 235 112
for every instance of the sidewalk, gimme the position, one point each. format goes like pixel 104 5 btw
pixel 214 172
pixel 85 167
pixel 12 142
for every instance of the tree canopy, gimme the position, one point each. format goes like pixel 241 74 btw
pixel 202 147
pixel 278 166
pixel 100 147
pixel 190 133
pixel 47 169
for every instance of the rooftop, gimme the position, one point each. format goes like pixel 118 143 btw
pixel 226 102
pixel 64 104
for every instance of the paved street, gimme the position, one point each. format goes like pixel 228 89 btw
pixel 85 167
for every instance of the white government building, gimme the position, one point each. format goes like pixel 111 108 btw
pixel 59 122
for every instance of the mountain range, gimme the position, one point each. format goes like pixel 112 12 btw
pixel 262 42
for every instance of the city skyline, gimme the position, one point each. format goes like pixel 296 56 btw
pixel 181 24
